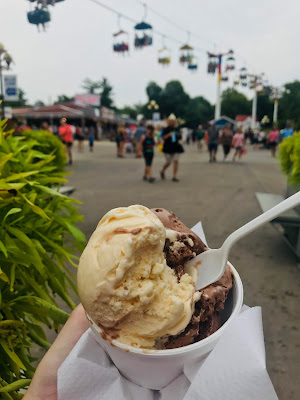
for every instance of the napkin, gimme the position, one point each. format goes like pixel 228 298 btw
pixel 234 370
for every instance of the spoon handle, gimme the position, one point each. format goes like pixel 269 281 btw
pixel 262 219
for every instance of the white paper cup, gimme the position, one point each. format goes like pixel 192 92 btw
pixel 155 369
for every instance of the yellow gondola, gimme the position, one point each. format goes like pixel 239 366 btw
pixel 164 57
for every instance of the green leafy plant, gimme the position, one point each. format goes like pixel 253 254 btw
pixel 289 155
pixel 38 239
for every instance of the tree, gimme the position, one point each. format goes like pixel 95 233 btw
pixel 132 112
pixel 91 86
pixel 234 103
pixel 62 98
pixel 264 107
pixel 289 104
pixel 154 92
pixel 173 99
pixel 198 111
pixel 106 93
pixel 103 88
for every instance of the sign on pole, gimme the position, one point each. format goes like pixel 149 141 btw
pixel 87 100
pixel 10 88
pixel 155 116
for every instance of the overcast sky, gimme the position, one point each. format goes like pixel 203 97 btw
pixel 78 44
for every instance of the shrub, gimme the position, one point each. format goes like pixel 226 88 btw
pixel 289 154
pixel 36 244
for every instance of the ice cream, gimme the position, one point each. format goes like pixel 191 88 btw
pixel 181 245
pixel 125 284
pixel 132 280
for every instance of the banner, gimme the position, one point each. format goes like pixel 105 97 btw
pixel 10 88
pixel 87 99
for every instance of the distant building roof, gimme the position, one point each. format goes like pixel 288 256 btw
pixel 242 118
pixel 222 120
pixel 69 110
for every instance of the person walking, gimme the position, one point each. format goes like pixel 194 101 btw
pixel 91 140
pixel 287 132
pixel 171 147
pixel 200 135
pixel 120 140
pixel 226 140
pixel 80 138
pixel 146 145
pixel 238 143
pixel 46 127
pixel 273 140
pixel 65 133
pixel 139 132
pixel 213 139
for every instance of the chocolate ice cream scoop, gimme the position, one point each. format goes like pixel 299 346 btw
pixel 181 244
pixel 205 320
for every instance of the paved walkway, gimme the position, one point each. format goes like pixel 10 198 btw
pixel 222 196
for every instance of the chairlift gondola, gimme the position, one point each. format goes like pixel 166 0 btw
pixel 230 63
pixel 212 64
pixel 193 66
pixel 164 57
pixel 120 42
pixel 186 54
pixel 143 36
pixel 225 78
pixel 41 15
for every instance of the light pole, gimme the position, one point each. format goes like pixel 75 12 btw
pixel 153 106
pixel 4 56
pixel 255 83
pixel 276 94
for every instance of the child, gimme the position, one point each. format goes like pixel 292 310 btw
pixel 91 140
pixel 238 143
pixel 147 146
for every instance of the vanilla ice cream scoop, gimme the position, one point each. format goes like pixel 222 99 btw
pixel 125 285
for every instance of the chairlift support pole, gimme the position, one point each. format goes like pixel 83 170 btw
pixel 218 101
pixel 254 109
pixel 275 111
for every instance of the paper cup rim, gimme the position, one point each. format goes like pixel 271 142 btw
pixel 180 350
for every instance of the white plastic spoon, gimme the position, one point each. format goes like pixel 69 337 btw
pixel 212 263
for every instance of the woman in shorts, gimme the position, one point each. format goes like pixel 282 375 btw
pixel 146 146
pixel 171 147
pixel 273 140
pixel 238 143
pixel 65 133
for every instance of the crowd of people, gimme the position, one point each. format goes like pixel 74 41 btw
pixel 142 139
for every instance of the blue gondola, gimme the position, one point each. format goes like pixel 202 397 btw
pixel 39 16
pixel 145 39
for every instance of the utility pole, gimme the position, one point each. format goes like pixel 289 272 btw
pixel 4 56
